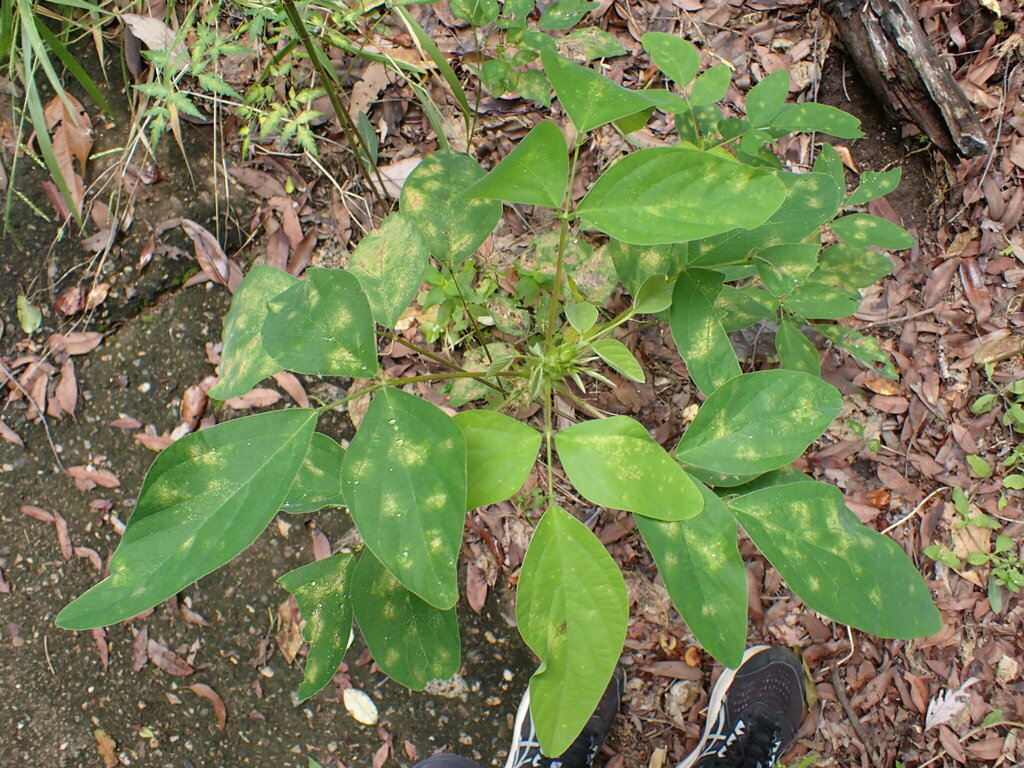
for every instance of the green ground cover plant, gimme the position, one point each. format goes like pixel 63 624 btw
pixel 709 235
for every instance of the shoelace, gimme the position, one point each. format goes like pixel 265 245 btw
pixel 757 747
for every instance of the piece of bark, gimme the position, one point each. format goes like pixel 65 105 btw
pixel 895 57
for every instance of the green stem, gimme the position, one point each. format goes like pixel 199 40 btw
pixel 347 126
pixel 413 379
pixel 563 237
pixel 438 359
pixel 548 435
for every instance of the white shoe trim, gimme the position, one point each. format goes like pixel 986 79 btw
pixel 517 730
pixel 714 708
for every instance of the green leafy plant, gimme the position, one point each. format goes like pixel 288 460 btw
pixel 712 235
pixel 1005 567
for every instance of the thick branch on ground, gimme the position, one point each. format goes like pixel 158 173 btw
pixel 895 57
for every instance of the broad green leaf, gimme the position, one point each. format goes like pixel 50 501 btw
pixel 851 267
pixel 866 350
pixel 534 173
pixel 837 566
pixel 592 43
pixel 322 325
pixel 533 84
pixel 697 330
pixel 243 361
pixel 572 610
pixel 675 57
pixel 564 14
pixel 819 118
pixel 30 317
pixel 318 481
pixel 618 356
pixel 743 307
pixel 796 352
pixel 811 200
pixel 404 479
pixel 322 591
pixel 588 98
pixel 654 296
pixel 710 86
pixel 581 315
pixel 821 302
pixel 500 453
pixel 766 98
pixel 476 12
pixel 410 639
pixel 476 360
pixel 671 194
pixel 875 185
pixel 703 572
pixel 783 267
pixel 829 162
pixel 389 264
pixel 592 271
pixel 615 463
pixel 666 101
pixel 782 476
pixel 205 499
pixel 636 263
pixel 865 229
pixel 452 226
pixel 729 436
pixel 634 122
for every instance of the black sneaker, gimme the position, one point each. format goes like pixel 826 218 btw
pixel 753 713
pixel 525 750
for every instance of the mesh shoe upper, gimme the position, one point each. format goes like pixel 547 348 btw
pixel 753 713
pixel 525 750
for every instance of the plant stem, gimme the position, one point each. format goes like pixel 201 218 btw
pixel 347 126
pixel 413 379
pixel 563 237
pixel 442 361
pixel 548 435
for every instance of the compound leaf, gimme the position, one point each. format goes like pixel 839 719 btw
pixel 322 325
pixel 452 226
pixel 875 185
pixel 205 499
pixel 835 564
pixel 500 452
pixel 572 610
pixel 697 330
pixel 389 264
pixel 318 481
pixel 618 356
pixel 588 97
pixel 820 118
pixel 534 173
pixel 615 463
pixel 672 194
pixel 404 479
pixel 866 350
pixel 243 361
pixel 704 575
pixel 410 639
pixel 634 264
pixel 321 590
pixel 710 86
pixel 728 435
pixel 766 98
pixel 796 352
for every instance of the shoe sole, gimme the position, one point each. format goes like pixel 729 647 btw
pixel 715 703
pixel 517 729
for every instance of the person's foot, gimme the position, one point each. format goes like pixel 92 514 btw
pixel 525 750
pixel 753 713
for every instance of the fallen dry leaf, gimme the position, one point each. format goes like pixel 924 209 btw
pixel 290 384
pixel 360 706
pixel 381 755
pixel 208 252
pixel 394 175
pixel 261 397
pixel 167 660
pixel 97 295
pixel 63 536
pixel 69 302
pixel 91 555
pixel 219 710
pixel 140 653
pixel 321 546
pixel 191 617
pixel 106 748
pixel 10 435
pixel 66 393
pixel 87 477
pixel 76 342
pixel 99 636
pixel 44 515
pixel 476 587
pixel 153 442
pixel 5 587
pixel 158 37
pixel 193 405
pixel 947 704
pixel 126 422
